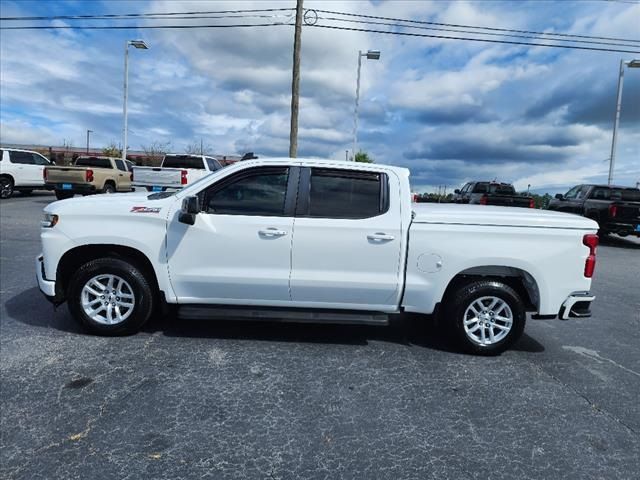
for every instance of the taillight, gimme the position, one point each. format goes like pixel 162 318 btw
pixel 88 175
pixel 613 210
pixel 44 174
pixel 532 203
pixel 590 240
pixel 484 199
pixel 183 177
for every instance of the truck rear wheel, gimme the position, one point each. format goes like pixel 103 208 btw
pixel 62 195
pixel 110 296
pixel 109 188
pixel 487 316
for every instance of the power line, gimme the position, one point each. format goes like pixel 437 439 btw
pixel 424 22
pixel 494 34
pixel 116 16
pixel 486 40
pixel 138 27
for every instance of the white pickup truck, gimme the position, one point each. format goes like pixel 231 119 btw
pixel 317 241
pixel 176 172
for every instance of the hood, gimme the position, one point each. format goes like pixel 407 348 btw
pixel 111 204
pixel 451 213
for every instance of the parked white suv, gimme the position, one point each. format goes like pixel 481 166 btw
pixel 21 170
pixel 315 241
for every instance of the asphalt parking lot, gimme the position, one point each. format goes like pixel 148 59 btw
pixel 246 400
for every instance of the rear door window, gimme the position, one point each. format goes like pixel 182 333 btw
pixel 22 158
pixel 120 165
pixel 481 187
pixel 346 194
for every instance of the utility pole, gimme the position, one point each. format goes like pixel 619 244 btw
pixel 88 132
pixel 616 121
pixel 201 149
pixel 295 82
pixel 346 155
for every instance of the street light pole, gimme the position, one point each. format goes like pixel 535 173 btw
pixel 88 132
pixel 371 55
pixel 140 45
pixel 612 159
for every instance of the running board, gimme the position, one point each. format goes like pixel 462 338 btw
pixel 345 317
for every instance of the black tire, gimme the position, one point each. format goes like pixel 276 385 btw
pixel 140 285
pixel 26 192
pixel 109 188
pixel 464 296
pixel 6 187
pixel 62 195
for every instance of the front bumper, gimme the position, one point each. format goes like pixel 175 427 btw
pixel 577 305
pixel 47 287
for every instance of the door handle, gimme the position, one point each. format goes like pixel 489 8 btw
pixel 381 237
pixel 272 232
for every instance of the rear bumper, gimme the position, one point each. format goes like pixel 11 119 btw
pixel 47 287
pixel 75 188
pixel 624 228
pixel 577 305
pixel 139 187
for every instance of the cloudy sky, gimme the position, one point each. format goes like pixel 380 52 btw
pixel 449 110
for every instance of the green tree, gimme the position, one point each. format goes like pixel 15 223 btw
pixel 363 157
pixel 112 150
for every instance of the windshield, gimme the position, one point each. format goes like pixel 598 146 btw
pixel 183 161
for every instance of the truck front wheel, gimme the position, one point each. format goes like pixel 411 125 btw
pixel 110 296
pixel 487 316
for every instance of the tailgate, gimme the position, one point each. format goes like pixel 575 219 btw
pixel 73 175
pixel 508 201
pixel 157 177
pixel 627 212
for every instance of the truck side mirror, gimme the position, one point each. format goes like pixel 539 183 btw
pixel 559 196
pixel 456 191
pixel 190 208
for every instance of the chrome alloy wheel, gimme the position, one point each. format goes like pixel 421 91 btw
pixel 487 320
pixel 107 299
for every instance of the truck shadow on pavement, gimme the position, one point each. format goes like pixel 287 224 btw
pixel 409 330
pixel 619 242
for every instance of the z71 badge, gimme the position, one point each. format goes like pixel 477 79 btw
pixel 145 209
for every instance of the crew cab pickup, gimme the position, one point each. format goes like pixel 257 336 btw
pixel 21 170
pixel 314 241
pixel 176 172
pixel 90 175
pixel 492 193
pixel 616 209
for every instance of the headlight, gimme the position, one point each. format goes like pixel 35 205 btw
pixel 49 220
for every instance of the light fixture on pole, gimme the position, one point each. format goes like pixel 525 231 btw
pixel 88 132
pixel 371 55
pixel 139 44
pixel 635 63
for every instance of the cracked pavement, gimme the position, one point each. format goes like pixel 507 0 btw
pixel 214 399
